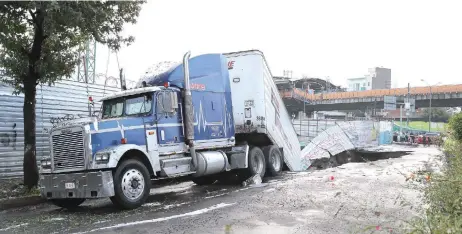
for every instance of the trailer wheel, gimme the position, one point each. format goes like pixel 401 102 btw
pixel 204 180
pixel 257 163
pixel 68 203
pixel 131 184
pixel 273 159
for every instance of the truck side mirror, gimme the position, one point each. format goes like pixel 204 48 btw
pixel 169 102
pixel 173 101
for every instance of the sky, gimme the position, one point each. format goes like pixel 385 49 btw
pixel 324 38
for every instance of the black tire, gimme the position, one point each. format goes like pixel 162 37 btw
pixel 274 161
pixel 256 163
pixel 127 176
pixel 204 180
pixel 68 203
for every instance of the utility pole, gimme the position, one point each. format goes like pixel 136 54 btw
pixel 430 109
pixel 123 86
pixel 401 118
pixel 430 112
pixel 408 100
pixel 300 120
pixel 304 97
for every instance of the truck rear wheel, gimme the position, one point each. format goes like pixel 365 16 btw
pixel 68 203
pixel 256 162
pixel 132 184
pixel 273 159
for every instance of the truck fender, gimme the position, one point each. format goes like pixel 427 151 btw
pixel 117 152
pixel 239 156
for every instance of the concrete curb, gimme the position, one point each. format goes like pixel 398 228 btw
pixel 20 202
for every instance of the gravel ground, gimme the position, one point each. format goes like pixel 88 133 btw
pixel 371 197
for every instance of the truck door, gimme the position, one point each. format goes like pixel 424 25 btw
pixel 214 115
pixel 169 118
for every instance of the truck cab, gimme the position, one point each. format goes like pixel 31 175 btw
pixel 178 123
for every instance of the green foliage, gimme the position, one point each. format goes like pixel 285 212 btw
pixel 40 41
pixel 444 195
pixel 455 123
pixel 438 114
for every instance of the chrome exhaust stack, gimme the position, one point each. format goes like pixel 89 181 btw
pixel 189 112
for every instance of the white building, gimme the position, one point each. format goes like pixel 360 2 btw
pixel 378 78
pixel 359 84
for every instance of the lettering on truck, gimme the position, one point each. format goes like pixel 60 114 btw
pixel 194 86
pixel 230 65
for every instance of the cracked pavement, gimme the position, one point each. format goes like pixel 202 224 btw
pixel 351 198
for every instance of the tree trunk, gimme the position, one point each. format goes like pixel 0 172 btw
pixel 31 175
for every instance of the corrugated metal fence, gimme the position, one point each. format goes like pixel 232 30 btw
pixel 65 98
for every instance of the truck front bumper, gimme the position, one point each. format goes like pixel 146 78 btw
pixel 77 185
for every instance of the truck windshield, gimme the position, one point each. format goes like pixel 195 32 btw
pixel 125 106
pixel 138 105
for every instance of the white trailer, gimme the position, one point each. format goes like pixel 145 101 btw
pixel 259 112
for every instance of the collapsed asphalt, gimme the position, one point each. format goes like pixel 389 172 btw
pixel 353 197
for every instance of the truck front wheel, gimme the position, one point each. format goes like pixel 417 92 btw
pixel 68 203
pixel 273 159
pixel 131 184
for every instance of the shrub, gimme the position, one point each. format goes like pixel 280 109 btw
pixel 455 124
pixel 443 197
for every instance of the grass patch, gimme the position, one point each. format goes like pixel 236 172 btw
pixel 422 125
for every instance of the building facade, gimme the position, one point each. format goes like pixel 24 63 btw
pixel 359 84
pixel 377 78
pixel 380 77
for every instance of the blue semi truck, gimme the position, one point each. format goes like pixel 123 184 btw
pixel 213 117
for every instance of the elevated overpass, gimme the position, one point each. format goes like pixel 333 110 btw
pixel 442 96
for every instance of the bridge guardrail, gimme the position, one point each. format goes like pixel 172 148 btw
pixel 303 96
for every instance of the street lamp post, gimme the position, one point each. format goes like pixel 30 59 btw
pixel 304 110
pixel 430 112
pixel 304 100
pixel 430 105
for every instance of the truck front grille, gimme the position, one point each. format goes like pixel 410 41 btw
pixel 68 150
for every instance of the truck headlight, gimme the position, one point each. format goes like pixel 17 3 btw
pixel 45 163
pixel 102 157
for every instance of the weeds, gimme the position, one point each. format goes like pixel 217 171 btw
pixel 10 188
pixel 443 196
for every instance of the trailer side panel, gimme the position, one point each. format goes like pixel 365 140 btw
pixel 258 107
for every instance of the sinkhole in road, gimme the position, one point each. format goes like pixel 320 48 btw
pixel 354 156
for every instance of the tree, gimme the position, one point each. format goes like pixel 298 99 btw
pixel 438 114
pixel 40 43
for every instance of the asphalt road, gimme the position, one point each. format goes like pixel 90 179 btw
pixel 352 198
